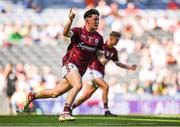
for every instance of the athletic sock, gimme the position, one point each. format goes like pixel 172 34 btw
pixel 67 108
pixel 31 96
pixel 106 107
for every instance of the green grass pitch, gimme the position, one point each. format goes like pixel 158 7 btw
pixel 92 121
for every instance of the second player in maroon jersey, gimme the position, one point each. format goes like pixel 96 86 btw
pixel 110 54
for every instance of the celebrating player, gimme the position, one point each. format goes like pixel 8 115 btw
pixel 93 78
pixel 85 42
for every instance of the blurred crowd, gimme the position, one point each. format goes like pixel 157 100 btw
pixel 17 80
pixel 150 39
pixel 28 33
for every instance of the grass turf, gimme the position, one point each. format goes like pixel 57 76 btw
pixel 91 121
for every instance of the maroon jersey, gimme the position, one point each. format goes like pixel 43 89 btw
pixel 110 54
pixel 82 48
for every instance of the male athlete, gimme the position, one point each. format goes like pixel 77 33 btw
pixel 93 78
pixel 85 43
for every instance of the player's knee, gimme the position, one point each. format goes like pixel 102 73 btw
pixel 78 86
pixel 106 87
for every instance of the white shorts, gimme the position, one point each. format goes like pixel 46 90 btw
pixel 90 75
pixel 67 68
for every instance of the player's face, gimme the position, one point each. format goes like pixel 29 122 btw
pixel 114 40
pixel 93 22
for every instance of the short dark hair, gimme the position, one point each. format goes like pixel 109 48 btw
pixel 115 33
pixel 91 12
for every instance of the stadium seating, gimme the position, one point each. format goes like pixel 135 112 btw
pixel 39 55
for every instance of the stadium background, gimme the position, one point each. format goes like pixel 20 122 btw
pixel 31 40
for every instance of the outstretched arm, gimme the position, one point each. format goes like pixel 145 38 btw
pixel 132 67
pixel 67 27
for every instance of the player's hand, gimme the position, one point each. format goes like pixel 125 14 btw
pixel 133 67
pixel 71 15
pixel 103 61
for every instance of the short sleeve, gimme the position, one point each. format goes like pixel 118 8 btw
pixel 74 32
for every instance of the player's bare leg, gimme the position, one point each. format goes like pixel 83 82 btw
pixel 74 78
pixel 62 87
pixel 105 87
pixel 89 89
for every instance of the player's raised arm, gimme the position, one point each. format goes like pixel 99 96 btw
pixel 132 67
pixel 67 27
